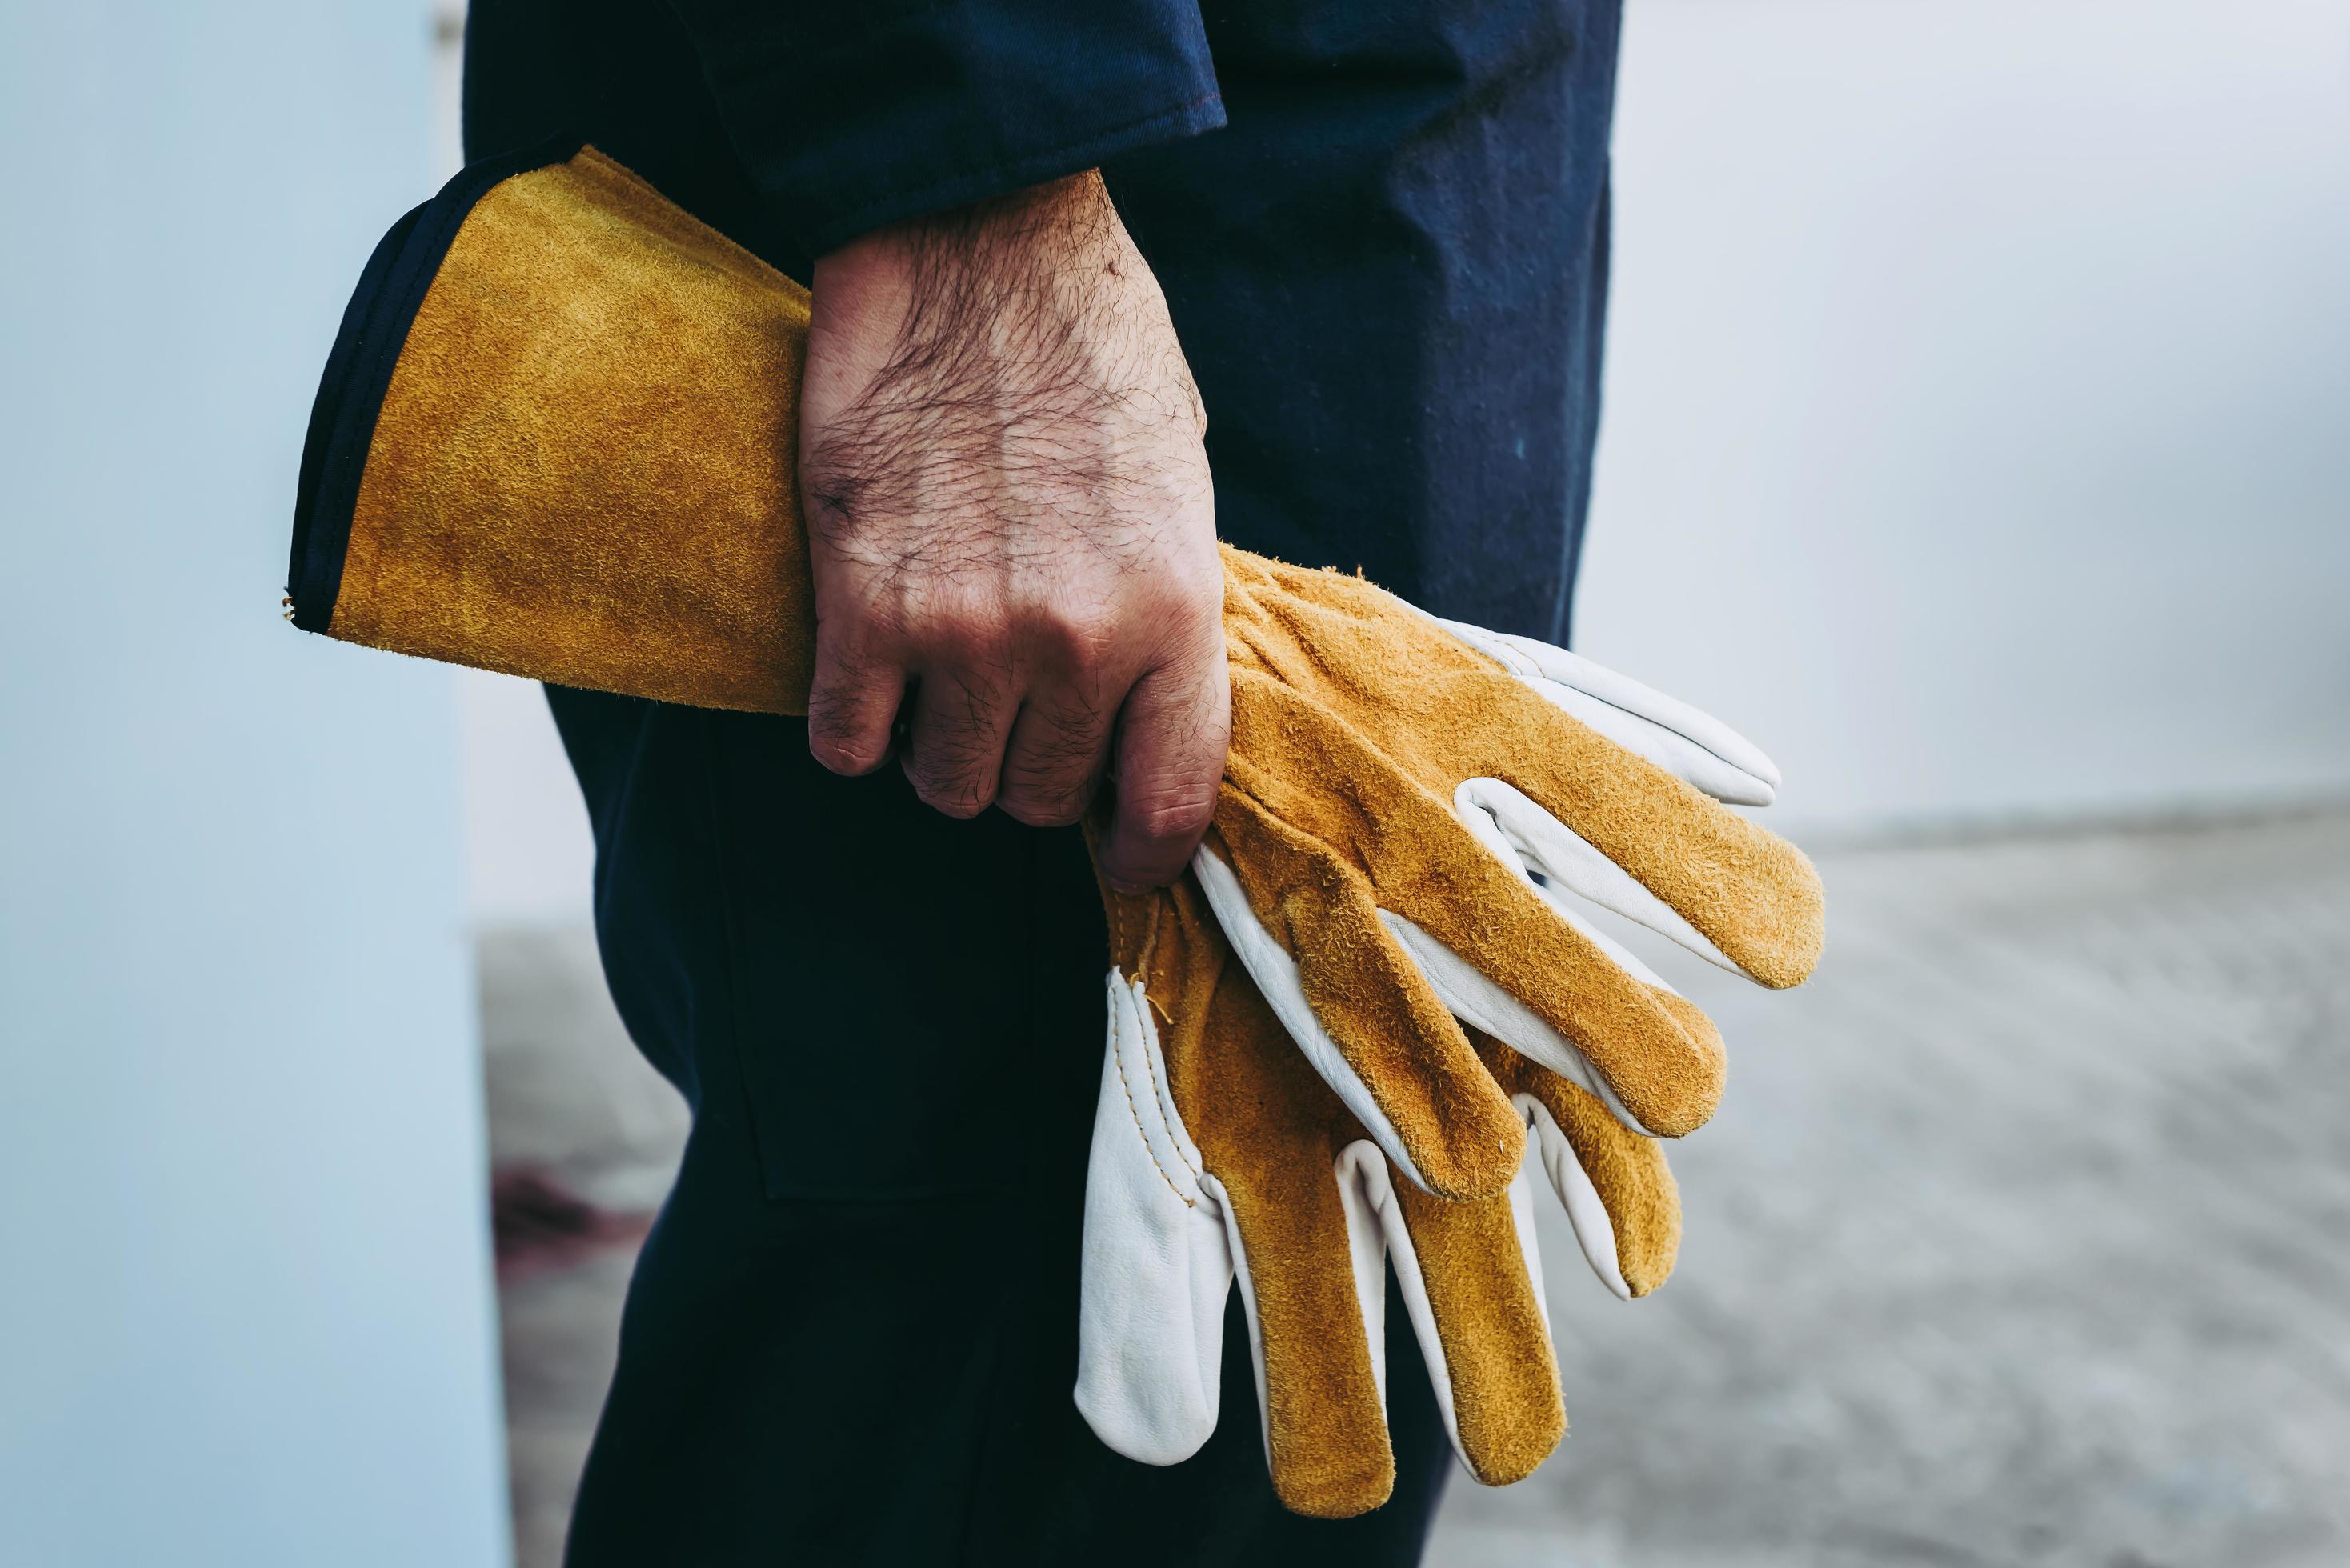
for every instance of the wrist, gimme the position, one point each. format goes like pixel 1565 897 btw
pixel 1027 320
pixel 1038 233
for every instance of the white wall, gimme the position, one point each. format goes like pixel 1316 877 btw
pixel 1978 413
pixel 246 1318
pixel 1978 423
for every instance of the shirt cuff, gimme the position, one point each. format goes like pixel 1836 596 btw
pixel 849 125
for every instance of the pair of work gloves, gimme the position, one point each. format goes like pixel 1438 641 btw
pixel 555 438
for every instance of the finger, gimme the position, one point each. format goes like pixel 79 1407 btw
pixel 1315 1291
pixel 1276 976
pixel 1752 895
pixel 1156 1264
pixel 1470 1274
pixel 1379 1035
pixel 1481 1004
pixel 1617 1188
pixel 954 740
pixel 1561 862
pixel 1683 740
pixel 1053 758
pixel 1172 732
pixel 1660 1056
pixel 853 702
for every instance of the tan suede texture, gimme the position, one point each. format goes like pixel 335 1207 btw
pixel 583 468
pixel 1355 718
pixel 1627 1169
pixel 1271 1132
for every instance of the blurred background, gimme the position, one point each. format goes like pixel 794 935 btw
pixel 1977 438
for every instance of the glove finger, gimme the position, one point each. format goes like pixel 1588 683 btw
pixel 1316 1331
pixel 1509 960
pixel 1752 896
pixel 1563 865
pixel 1157 1265
pixel 1259 1174
pixel 1309 933
pixel 1470 1274
pixel 1617 1188
pixel 1685 741
pixel 1313 1292
pixel 1481 1006
pixel 1441 709
pixel 1662 1055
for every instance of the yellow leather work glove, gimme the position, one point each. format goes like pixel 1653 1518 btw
pixel 1416 821
pixel 1219 1157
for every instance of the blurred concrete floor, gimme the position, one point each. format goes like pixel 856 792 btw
pixel 2023 1236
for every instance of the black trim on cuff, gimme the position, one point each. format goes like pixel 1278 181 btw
pixel 358 371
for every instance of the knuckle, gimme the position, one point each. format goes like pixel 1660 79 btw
pixel 1202 599
pixel 843 743
pixel 955 634
pixel 951 771
pixel 860 631
pixel 1045 807
pixel 955 630
pixel 1170 818
pixel 961 799
pixel 1084 639
pixel 959 710
pixel 853 760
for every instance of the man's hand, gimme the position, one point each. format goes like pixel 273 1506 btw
pixel 1011 524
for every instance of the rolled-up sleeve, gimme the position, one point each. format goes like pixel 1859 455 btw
pixel 850 116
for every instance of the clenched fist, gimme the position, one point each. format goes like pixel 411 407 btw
pixel 1011 526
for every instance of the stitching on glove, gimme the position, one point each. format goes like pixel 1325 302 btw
pixel 1160 1093
pixel 1135 1111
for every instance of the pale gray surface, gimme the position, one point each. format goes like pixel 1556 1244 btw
pixel 2023 1236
